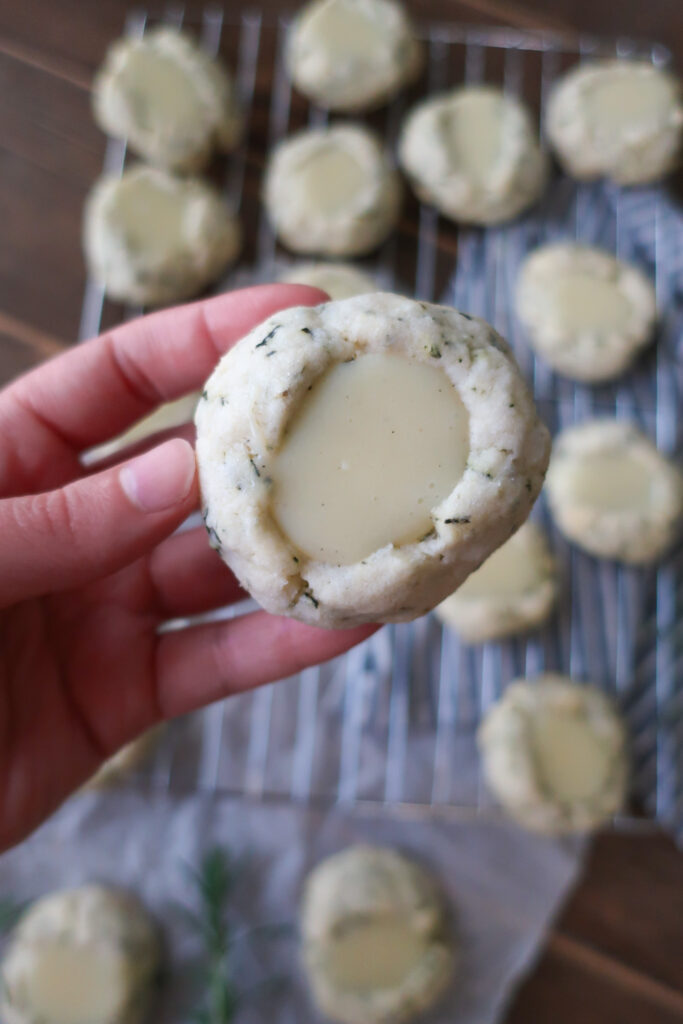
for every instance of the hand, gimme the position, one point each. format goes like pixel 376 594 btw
pixel 89 568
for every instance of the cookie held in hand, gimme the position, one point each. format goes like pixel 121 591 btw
pixel 357 460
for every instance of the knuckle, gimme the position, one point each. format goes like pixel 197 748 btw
pixel 56 514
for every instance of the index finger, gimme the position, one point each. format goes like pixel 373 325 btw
pixel 95 390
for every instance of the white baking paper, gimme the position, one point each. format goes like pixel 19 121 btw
pixel 504 886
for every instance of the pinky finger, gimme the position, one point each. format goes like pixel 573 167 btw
pixel 203 664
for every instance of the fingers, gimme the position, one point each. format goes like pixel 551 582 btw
pixel 189 577
pixel 95 390
pixel 64 538
pixel 200 665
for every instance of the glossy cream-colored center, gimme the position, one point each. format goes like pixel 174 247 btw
pixel 160 91
pixel 376 445
pixel 585 302
pixel 343 31
pixel 376 954
pixel 624 101
pixel 612 481
pixel 510 570
pixel 75 985
pixel 329 180
pixel 474 134
pixel 571 760
pixel 151 217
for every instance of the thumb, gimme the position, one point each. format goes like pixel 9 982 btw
pixel 90 528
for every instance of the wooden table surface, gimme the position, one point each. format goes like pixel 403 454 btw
pixel 615 955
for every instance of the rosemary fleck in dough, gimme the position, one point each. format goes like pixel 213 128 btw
pixel 152 239
pixel 619 119
pixel 332 191
pixel 173 102
pixel 513 591
pixel 81 956
pixel 351 55
pixel 473 153
pixel 357 460
pixel 376 942
pixel 339 280
pixel 588 314
pixel 555 754
pixel 612 492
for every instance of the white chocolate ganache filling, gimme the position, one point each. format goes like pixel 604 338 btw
pixel 585 302
pixel 613 481
pixel 508 572
pixel 75 985
pixel 378 443
pixel 628 103
pixel 572 761
pixel 345 32
pixel 329 180
pixel 474 133
pixel 376 953
pixel 151 217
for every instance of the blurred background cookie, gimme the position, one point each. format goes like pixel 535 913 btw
pixel 554 754
pixel 125 761
pixel 81 955
pixel 612 493
pixel 332 191
pixel 168 98
pixel 376 943
pixel 618 119
pixel 352 55
pixel 513 591
pixel 151 238
pixel 586 313
pixel 473 153
pixel 339 280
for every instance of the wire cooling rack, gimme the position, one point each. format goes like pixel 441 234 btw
pixel 392 724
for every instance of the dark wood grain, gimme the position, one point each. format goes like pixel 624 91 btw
pixel 614 955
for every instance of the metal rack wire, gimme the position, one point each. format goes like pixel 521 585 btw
pixel 392 724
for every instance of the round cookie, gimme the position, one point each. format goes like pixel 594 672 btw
pixel 474 154
pixel 554 754
pixel 612 493
pixel 352 55
pixel 332 191
pixel 588 314
pixel 619 119
pixel 513 591
pixel 152 239
pixel 357 460
pixel 339 280
pixel 81 955
pixel 376 943
pixel 172 102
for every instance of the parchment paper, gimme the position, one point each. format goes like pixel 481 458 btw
pixel 503 885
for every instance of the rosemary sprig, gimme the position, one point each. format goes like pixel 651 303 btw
pixel 223 939
pixel 215 881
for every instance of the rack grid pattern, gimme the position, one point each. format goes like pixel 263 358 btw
pixel 392 724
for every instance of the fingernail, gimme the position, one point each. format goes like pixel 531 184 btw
pixel 161 478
